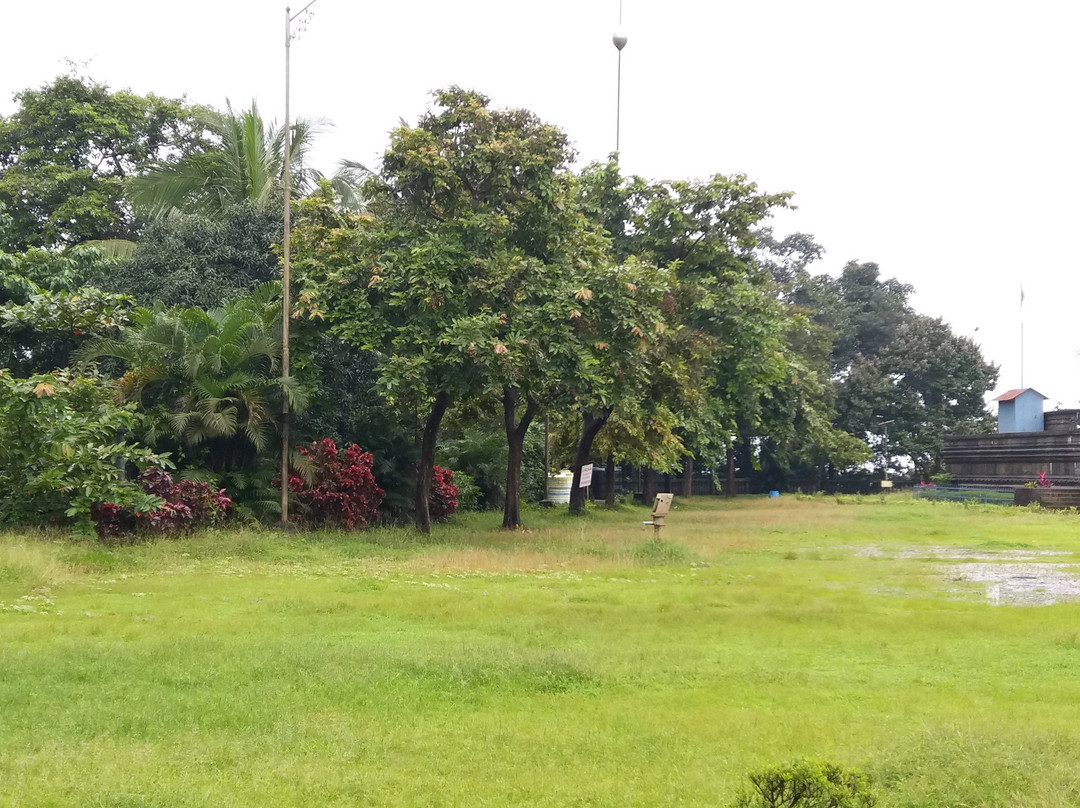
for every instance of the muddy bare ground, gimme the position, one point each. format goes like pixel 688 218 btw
pixel 1012 577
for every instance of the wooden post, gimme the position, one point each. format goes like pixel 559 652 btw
pixel 730 473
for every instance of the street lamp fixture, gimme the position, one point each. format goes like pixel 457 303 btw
pixel 618 39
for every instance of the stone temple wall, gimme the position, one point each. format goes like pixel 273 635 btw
pixel 1014 458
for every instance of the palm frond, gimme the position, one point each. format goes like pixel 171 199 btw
pixel 112 247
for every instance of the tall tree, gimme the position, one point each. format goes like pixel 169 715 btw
pixel 619 322
pixel 464 281
pixel 890 363
pixel 793 436
pixel 928 381
pixel 242 160
pixel 66 152
pixel 863 310
pixel 722 306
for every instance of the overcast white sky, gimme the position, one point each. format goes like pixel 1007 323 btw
pixel 938 139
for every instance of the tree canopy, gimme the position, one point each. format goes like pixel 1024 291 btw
pixel 483 281
pixel 69 148
pixel 890 363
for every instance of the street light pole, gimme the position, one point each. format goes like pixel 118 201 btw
pixel 619 40
pixel 285 279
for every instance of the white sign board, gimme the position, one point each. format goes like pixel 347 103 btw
pixel 586 476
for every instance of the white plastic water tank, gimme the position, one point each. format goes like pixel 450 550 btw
pixel 559 486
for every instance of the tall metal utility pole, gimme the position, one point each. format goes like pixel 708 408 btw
pixel 286 306
pixel 619 40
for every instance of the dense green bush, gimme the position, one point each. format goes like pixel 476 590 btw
pixel 203 260
pixel 807 784
pixel 478 450
pixel 62 450
pixel 468 492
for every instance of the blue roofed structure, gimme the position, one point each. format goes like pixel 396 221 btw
pixel 1020 411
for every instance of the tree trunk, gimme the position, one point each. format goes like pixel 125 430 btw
pixel 688 478
pixel 648 487
pixel 591 426
pixel 515 442
pixel 609 480
pixel 426 469
pixel 729 489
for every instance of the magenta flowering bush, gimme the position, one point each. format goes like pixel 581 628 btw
pixel 444 494
pixel 184 506
pixel 342 491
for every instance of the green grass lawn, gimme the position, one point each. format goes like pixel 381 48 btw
pixel 578 663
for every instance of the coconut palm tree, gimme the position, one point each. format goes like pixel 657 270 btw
pixel 246 164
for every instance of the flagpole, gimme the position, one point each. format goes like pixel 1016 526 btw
pixel 1021 336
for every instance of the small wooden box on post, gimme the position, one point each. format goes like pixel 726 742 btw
pixel 660 509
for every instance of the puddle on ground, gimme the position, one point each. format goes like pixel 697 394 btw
pixel 1013 577
pixel 1021 584
pixel 959 553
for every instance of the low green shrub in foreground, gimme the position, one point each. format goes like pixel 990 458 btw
pixel 807 784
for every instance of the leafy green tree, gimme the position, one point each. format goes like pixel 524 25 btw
pixel 786 259
pixel 48 304
pixel 41 334
pixel 726 324
pixel 460 281
pixel 862 310
pixel 890 363
pixel 25 274
pixel 195 259
pixel 63 448
pixel 619 322
pixel 66 152
pixel 545 344
pixel 928 381
pixel 793 437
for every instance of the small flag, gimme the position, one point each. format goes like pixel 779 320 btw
pixel 1021 295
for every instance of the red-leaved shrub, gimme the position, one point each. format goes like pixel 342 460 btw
pixel 342 491
pixel 188 504
pixel 444 494
pixel 112 520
